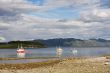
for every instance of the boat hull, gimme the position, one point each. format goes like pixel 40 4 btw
pixel 21 55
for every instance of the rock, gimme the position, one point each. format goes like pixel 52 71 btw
pixel 106 63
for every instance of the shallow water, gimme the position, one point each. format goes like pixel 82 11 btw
pixel 46 53
pixel 51 52
pixel 23 61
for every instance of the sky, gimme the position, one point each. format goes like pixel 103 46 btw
pixel 46 19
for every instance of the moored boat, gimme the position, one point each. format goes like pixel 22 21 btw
pixel 74 51
pixel 21 52
pixel 59 52
pixel 59 49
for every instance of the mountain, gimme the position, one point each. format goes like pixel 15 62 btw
pixel 64 42
pixel 72 42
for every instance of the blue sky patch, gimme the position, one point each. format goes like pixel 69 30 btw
pixel 37 2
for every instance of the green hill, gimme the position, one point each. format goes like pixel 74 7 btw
pixel 25 44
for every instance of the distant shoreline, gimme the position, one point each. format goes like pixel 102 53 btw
pixel 55 46
pixel 16 44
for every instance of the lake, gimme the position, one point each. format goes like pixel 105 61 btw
pixel 51 52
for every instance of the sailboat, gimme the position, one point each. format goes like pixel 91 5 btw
pixel 74 51
pixel 21 52
pixel 59 49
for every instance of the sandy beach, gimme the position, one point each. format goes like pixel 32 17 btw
pixel 73 65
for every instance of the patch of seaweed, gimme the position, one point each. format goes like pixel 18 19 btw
pixel 28 65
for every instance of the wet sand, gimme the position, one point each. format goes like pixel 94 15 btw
pixel 20 61
pixel 73 65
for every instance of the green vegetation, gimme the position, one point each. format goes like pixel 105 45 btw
pixel 25 44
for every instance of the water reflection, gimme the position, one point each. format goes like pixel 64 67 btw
pixel 21 55
pixel 59 52
pixel 74 52
pixel 24 61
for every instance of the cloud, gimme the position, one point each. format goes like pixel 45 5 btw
pixel 31 27
pixel 105 3
pixel 2 39
pixel 17 20
pixel 11 10
pixel 16 4
pixel 74 3
pixel 95 15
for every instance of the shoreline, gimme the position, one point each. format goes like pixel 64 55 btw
pixel 67 65
pixel 27 58
pixel 28 65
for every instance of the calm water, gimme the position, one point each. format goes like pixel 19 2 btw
pixel 51 52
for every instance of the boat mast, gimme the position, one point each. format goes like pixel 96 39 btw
pixel 21 46
pixel 59 43
pixel 18 46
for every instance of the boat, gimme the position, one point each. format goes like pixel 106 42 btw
pixel 59 50
pixel 21 52
pixel 74 51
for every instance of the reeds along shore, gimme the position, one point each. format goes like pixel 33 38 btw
pixel 71 65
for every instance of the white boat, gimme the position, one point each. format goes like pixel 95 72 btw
pixel 74 51
pixel 21 52
pixel 59 49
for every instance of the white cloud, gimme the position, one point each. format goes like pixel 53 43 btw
pixel 31 27
pixel 16 4
pixel 95 15
pixel 16 23
pixel 102 13
pixel 2 39
pixel 75 3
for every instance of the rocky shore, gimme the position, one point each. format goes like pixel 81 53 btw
pixel 73 65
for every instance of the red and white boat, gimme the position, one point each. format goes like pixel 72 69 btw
pixel 21 52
